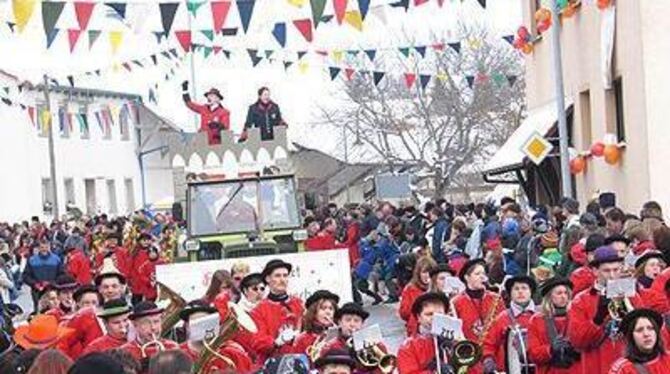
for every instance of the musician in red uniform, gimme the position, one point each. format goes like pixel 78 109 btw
pixel 86 296
pixel 65 286
pixel 417 353
pixel 520 289
pixel 115 315
pixel 146 318
pixel 143 275
pixel 140 255
pixel 649 266
pixel 213 116
pixel 320 309
pixel 592 330
pixel 583 277
pixel 278 316
pixel 548 344
pixel 476 306
pixel 78 265
pixel 234 355
pixel 120 255
pixel 645 352
pixel 418 285
pixel 336 361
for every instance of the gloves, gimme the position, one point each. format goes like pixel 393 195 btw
pixel 601 311
pixel 184 86
pixel 285 336
pixel 563 355
pixel 489 365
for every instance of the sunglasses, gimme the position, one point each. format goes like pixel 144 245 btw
pixel 237 279
pixel 258 288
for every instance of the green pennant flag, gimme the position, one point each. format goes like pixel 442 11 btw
pixel 404 51
pixel 193 6
pixel 6 89
pixel 207 51
pixel 209 34
pixel 498 78
pixel 51 11
pixel 92 37
pixel 318 7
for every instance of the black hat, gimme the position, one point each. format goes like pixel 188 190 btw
pixel 145 308
pixel 112 235
pixel 335 357
pixel 321 295
pixel 96 362
pixel 214 91
pixel 604 255
pixel 469 265
pixel 275 264
pixel 81 291
pixel 432 297
pixel 65 282
pixel 251 279
pixel 442 268
pixel 607 200
pixel 552 283
pixel 648 255
pixel 509 283
pixel 351 308
pixel 617 238
pixel 113 308
pixel 195 306
pixel 628 321
pixel 594 241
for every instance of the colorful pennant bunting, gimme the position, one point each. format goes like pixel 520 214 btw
pixel 115 39
pixel 279 32
pixel 51 11
pixel 83 11
pixel 184 39
pixel 354 19
pixel 318 7
pixel 334 72
pixel 340 8
pixel 193 6
pixel 363 7
pixel 246 8
pixel 23 10
pixel 73 37
pixel 410 78
pixel 305 28
pixel 424 79
pixel 219 14
pixel 92 37
pixel 377 77
pixel 119 9
pixel 168 11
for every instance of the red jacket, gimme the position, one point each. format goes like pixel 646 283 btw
pixel 87 327
pixel 659 286
pixel 409 294
pixel 659 365
pixel 304 341
pixel 494 341
pixel 230 350
pixel 60 315
pixel 135 348
pixel 539 345
pixel 270 317
pixel 120 256
pixel 598 351
pixel 416 354
pixel 219 115
pixel 79 267
pixel 103 344
pixel 143 275
pixel 322 241
pixel 582 278
pixel 351 241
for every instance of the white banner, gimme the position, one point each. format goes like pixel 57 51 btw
pixel 312 271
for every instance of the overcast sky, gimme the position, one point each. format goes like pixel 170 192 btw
pixel 296 92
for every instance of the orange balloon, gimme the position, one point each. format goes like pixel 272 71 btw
pixel 527 48
pixel 543 15
pixel 569 11
pixel 597 149
pixel 612 154
pixel 577 165
pixel 603 4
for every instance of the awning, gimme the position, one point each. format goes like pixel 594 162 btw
pixel 510 157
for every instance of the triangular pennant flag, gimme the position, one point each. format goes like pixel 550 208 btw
pixel 297 3
pixel 23 10
pixel 69 121
pixel 363 7
pixel 482 3
pixel 70 79
pixel 230 31
pixel 354 19
pixel 509 39
pixel 92 37
pixel 97 72
pixel 159 36
pixel 216 49
pixel 279 32
pixel 401 4
pixel 419 2
pixel 337 56
pixel 115 39
pixel 209 34
pixel 410 78
pixel 73 37
pixel 51 36
pixel 219 13
pixel 152 98
pixel 184 38
pixel 127 66
pixel 455 46
pixel 61 119
pixel 301 54
pixel 404 51
pixel 154 59
pixel 511 79
pixel 168 11
pixel 424 79
pixel 498 78
pixel 287 64
pixel 471 80
pixel 334 72
pixel 349 73
pixel 83 11
pixel 119 8
pixel 45 118
pixel 166 55
pixel 246 8
pixel 6 89
pixel 173 52
pixel 207 51
pixel 326 18
pixel 138 63
pixel 268 53
pixel 83 122
pixel 31 114
pixel 318 7
pixel 377 76
pixel 193 6
pixel 421 51
pixel 340 7
pixel 322 52
pixel 305 28
pixel 253 55
pixel 303 66
pixel 371 54
pixel 11 26
pixel 51 11
pixel 438 46
pixel 353 53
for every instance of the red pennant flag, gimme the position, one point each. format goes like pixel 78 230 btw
pixel 127 66
pixel 72 37
pixel 349 73
pixel 410 78
pixel 419 2
pixel 438 46
pixel 184 38
pixel 31 114
pixel 440 3
pixel 340 7
pixel 219 14
pixel 83 10
pixel 305 28
pixel 216 49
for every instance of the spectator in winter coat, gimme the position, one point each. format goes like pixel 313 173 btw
pixel 42 268
pixel 325 239
pixel 369 256
pixel 441 232
pixel 264 114
pixel 6 283
pixel 76 240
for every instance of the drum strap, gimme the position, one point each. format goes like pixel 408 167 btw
pixel 551 328
pixel 640 368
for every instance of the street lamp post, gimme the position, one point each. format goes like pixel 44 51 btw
pixel 52 153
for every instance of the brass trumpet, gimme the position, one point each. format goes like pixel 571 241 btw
pixel 465 354
pixel 154 342
pixel 372 356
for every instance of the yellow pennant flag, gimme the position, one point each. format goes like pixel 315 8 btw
pixel 115 39
pixel 297 3
pixel 116 67
pixel 475 43
pixel 45 118
pixel 23 10
pixel 442 76
pixel 337 56
pixel 354 18
pixel 303 67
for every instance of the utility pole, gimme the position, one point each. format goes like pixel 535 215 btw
pixel 52 154
pixel 566 180
pixel 346 159
pixel 196 122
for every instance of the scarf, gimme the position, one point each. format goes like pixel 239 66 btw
pixel 278 298
pixel 645 281
pixel 424 331
pixel 518 309
pixel 560 312
pixel 474 294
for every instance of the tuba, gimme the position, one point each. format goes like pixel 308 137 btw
pixel 237 318
pixel 171 313
pixel 373 357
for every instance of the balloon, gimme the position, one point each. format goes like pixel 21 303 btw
pixel 562 4
pixel 542 15
pixel 603 4
pixel 527 48
pixel 577 165
pixel 523 33
pixel 597 149
pixel 518 43
pixel 543 26
pixel 569 11
pixel 612 154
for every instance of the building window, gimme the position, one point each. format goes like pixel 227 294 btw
pixel 91 201
pixel 47 195
pixel 69 191
pixel 82 119
pixel 111 193
pixel 42 128
pixel 123 124
pixel 585 118
pixel 64 122
pixel 619 108
pixel 130 195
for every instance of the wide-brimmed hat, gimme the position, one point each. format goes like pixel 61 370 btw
pixel 214 91
pixel 65 282
pixel 109 270
pixel 605 255
pixel 145 309
pixel 335 357
pixel 429 297
pixel 525 279
pixel 593 242
pixel 113 308
pixel 469 265
pixel 648 255
pixel 196 306
pixel 352 309
pixel 321 295
pixel 617 238
pixel 251 279
pixel 441 268
pixel 42 332
pixel 82 290
pixel 552 283
pixel 628 321
pixel 272 265
pixel 549 240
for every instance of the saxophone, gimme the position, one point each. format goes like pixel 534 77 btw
pixel 490 318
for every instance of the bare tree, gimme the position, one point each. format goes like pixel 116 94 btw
pixel 445 127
